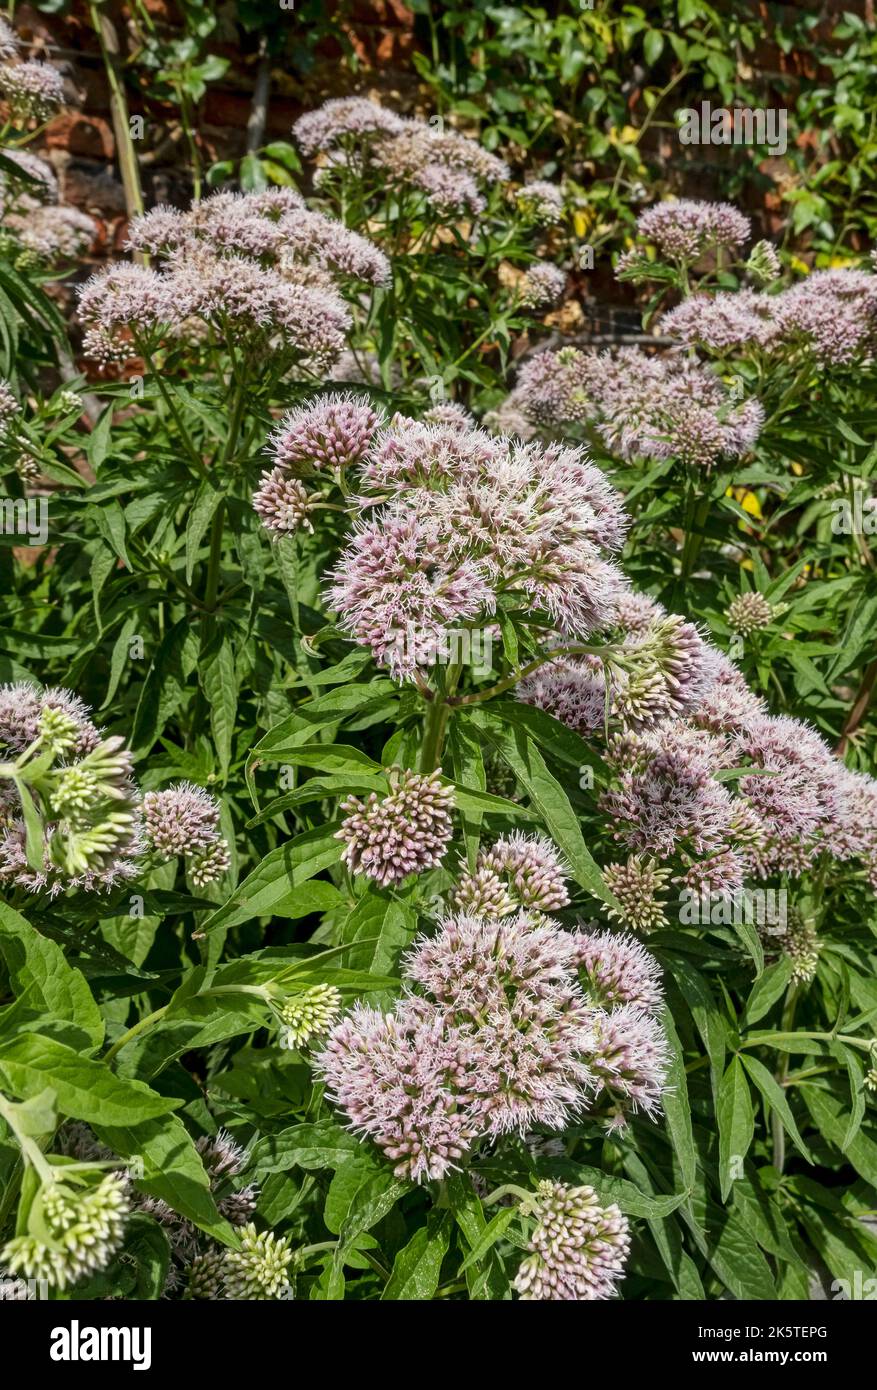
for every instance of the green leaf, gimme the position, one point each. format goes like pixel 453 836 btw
pixel 147 1245
pixel 331 757
pixel 550 800
pixel 311 1147
pixel 39 967
pixel 218 680
pixel 416 1268
pixel 282 869
pixel 485 802
pixel 493 1231
pixel 676 1106
pixel 776 1098
pixel 332 708
pixel 385 925
pixel 768 988
pixel 832 1121
pixel 207 499
pixel 488 1283
pixel 653 46
pixel 372 1199
pixel 169 1167
pixel 85 1089
pixel 736 1123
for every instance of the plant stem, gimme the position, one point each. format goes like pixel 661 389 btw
pixel 30 1149
pixel 132 1032
pixel 436 722
pixel 778 1132
pixel 217 529
pixel 128 167
pixel 434 730
pixel 859 708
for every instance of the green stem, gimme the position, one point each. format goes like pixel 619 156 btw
pixel 578 649
pixel 215 560
pixel 134 1031
pixel 128 167
pixel 434 730
pixel 30 1149
pixel 438 712
pixel 171 405
pixel 778 1133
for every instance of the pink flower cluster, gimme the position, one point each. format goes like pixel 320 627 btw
pixel 274 227
pixel 659 670
pixel 517 872
pixel 406 832
pixel 329 436
pixel 45 230
pixel 184 820
pixel 498 1032
pixel 352 134
pixel 31 90
pixel 258 265
pixel 696 717
pixel 577 1248
pixel 831 316
pixel 643 406
pixel 474 515
pixel 686 228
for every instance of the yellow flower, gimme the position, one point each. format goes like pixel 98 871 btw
pixel 748 500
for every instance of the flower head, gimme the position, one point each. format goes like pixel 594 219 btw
pixel 643 406
pixel 408 1081
pixel 541 200
pixel 332 432
pixel 341 119
pixel 312 1011
pixel 748 612
pixel 636 886
pixel 542 285
pixel 631 1059
pixel 32 90
pixel 617 970
pixel 260 1270
pixel 72 1231
pixel 683 229
pixel 184 820
pixel 54 234
pixel 395 592
pixel 517 871
pixel 387 838
pixel 764 263
pixel 578 1249
pixel 8 41
pixel 283 503
pixel 40 185
pixel 450 413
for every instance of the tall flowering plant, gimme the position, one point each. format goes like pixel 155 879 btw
pixel 410 888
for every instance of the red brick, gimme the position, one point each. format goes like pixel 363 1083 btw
pixel 91 136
